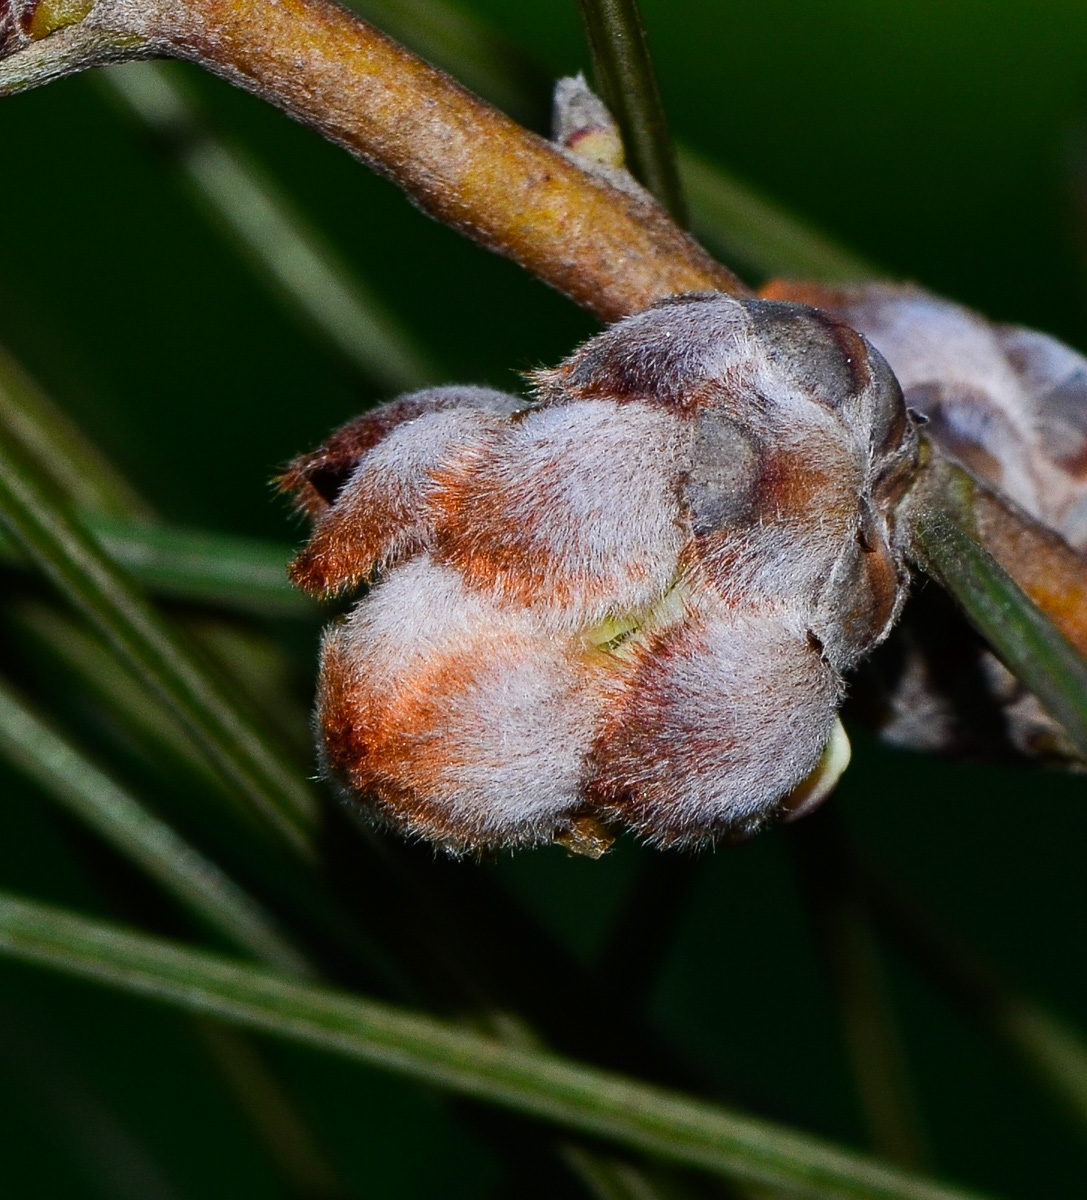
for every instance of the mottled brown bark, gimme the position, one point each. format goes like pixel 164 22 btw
pixel 1051 573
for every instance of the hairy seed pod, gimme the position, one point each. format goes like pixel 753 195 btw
pixel 628 601
pixel 1011 405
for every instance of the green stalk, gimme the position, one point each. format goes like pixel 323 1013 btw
pixel 214 568
pixel 73 560
pixel 126 692
pixel 198 884
pixel 61 648
pixel 274 1115
pixel 628 85
pixel 640 1116
pixel 876 1054
pixel 203 568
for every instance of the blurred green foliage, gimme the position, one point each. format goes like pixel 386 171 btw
pixel 945 141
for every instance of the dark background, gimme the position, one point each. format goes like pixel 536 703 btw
pixel 945 141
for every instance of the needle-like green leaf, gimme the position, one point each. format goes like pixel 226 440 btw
pixel 46 434
pixel 279 1120
pixel 756 234
pixel 50 535
pixel 1032 648
pixel 108 678
pixel 637 1115
pixel 184 564
pixel 140 836
pixel 854 967
pixel 1050 1047
pixel 628 84
pixel 277 239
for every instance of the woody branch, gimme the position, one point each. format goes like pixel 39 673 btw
pixel 459 159
pixel 612 250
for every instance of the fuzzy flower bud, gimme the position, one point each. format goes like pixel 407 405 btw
pixel 628 602
pixel 1011 405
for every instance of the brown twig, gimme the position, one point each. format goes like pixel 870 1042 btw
pixel 611 249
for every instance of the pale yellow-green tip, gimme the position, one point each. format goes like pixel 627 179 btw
pixel 51 15
pixel 812 791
